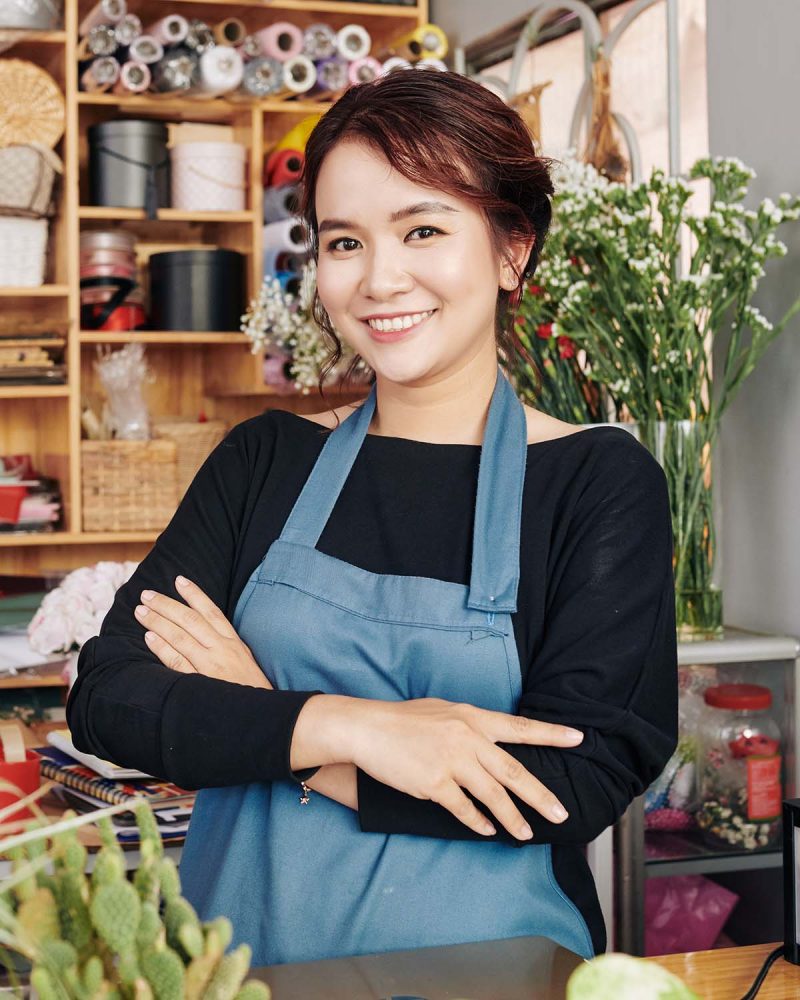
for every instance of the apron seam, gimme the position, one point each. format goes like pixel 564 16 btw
pixel 557 888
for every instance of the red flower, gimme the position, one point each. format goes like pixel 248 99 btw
pixel 573 261
pixel 544 330
pixel 536 289
pixel 519 320
pixel 566 347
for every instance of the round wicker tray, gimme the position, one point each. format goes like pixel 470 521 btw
pixel 32 106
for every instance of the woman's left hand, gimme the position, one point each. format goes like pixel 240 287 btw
pixel 198 638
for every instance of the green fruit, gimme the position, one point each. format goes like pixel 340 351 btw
pixel 621 977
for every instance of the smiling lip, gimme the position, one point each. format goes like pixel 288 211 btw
pixel 388 336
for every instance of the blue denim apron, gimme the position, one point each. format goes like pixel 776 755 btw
pixel 303 882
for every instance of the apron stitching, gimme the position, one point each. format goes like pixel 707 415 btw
pixel 557 888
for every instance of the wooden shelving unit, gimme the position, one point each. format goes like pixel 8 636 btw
pixel 215 373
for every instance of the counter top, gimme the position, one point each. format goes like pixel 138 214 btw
pixel 728 973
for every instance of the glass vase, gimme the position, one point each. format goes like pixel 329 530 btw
pixel 684 449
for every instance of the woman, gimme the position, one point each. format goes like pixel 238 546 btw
pixel 446 615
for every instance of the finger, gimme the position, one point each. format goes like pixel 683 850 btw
pixel 510 773
pixel 167 630
pixel 201 602
pixel 501 727
pixel 168 655
pixel 191 621
pixel 465 810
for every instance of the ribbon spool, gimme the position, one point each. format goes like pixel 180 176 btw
pixel 221 70
pixel 169 30
pixel 286 236
pixel 127 29
pixel 263 76
pixel 281 40
pixel 231 31
pixel 134 78
pixel 283 166
pixel 146 49
pixel 319 41
pixel 101 41
pixel 299 76
pixel 297 136
pixel 100 74
pixel 250 48
pixel 353 42
pixel 177 71
pixel 104 12
pixel 364 70
pixel 427 41
pixel 280 202
pixel 394 63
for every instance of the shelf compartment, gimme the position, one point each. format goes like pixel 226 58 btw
pixel 11 540
pixel 173 337
pixel 49 291
pixel 112 214
pixel 33 391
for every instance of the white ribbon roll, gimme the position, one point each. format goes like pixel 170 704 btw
pixel 221 70
pixel 285 236
pixel 169 30
pixel 353 42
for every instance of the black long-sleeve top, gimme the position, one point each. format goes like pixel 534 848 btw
pixel 595 624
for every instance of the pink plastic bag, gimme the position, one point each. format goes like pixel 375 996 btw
pixel 684 913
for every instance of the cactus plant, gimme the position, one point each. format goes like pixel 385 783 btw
pixel 105 936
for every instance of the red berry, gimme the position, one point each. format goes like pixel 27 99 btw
pixel 544 330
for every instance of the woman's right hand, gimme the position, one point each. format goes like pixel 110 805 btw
pixel 433 749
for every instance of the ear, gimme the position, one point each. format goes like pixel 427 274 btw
pixel 516 254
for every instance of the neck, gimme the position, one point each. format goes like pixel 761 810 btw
pixel 452 410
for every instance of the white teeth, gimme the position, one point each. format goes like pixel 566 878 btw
pixel 399 322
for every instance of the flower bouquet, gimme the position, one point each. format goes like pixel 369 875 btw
pixel 649 330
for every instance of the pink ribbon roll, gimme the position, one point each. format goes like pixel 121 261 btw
pixel 364 70
pixel 281 40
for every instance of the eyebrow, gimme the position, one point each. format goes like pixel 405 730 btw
pixel 421 208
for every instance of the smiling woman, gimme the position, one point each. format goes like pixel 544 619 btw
pixel 428 650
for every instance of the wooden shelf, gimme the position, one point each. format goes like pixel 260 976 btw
pixel 197 107
pixel 175 337
pixel 37 291
pixel 319 7
pixel 32 342
pixel 29 35
pixel 112 214
pixel 33 391
pixel 11 540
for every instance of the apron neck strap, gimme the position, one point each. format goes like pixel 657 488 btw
pixel 501 477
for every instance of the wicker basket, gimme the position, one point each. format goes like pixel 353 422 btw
pixel 128 485
pixel 194 440
pixel 32 106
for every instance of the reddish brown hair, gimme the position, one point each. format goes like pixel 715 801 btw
pixel 445 131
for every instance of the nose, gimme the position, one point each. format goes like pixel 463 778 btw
pixel 384 275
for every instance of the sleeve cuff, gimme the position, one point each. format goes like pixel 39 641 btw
pixel 307 772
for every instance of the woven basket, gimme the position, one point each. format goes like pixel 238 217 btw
pixel 128 485
pixel 32 106
pixel 194 440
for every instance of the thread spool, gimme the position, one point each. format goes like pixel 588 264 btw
pixel 262 76
pixel 220 71
pixel 364 70
pixel 100 41
pixel 332 75
pixel 177 71
pixel 281 40
pixel 427 41
pixel 353 42
pixel 319 41
pixel 100 74
pixel 394 63
pixel 127 29
pixel 134 78
pixel 104 12
pixel 283 166
pixel 231 31
pixel 169 30
pixel 200 37
pixel 280 202
pixel 436 64
pixel 146 49
pixel 299 76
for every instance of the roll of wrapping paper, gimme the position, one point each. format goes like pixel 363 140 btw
pixel 280 202
pixel 127 29
pixel 100 41
pixel 283 166
pixel 298 134
pixel 220 71
pixel 319 41
pixel 104 12
pixel 134 78
pixel 331 76
pixel 299 76
pixel 394 63
pixel 286 236
pixel 438 64
pixel 250 48
pixel 353 42
pixel 200 37
pixel 281 40
pixel 364 70
pixel 231 31
pixel 100 74
pixel 262 76
pixel 146 49
pixel 425 41
pixel 177 71
pixel 169 30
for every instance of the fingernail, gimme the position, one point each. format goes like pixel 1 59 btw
pixel 559 813
pixel 149 636
pixel 141 611
pixel 181 581
pixel 148 595
pixel 489 830
pixel 525 832
pixel 573 735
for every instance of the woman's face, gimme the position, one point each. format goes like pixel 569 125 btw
pixel 437 258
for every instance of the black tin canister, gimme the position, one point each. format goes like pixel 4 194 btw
pixel 197 290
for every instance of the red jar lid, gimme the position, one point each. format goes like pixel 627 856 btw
pixel 747 697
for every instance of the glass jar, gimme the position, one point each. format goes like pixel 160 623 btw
pixel 740 769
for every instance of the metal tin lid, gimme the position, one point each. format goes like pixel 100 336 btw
pixel 104 239
pixel 127 128
pixel 745 697
pixel 189 258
